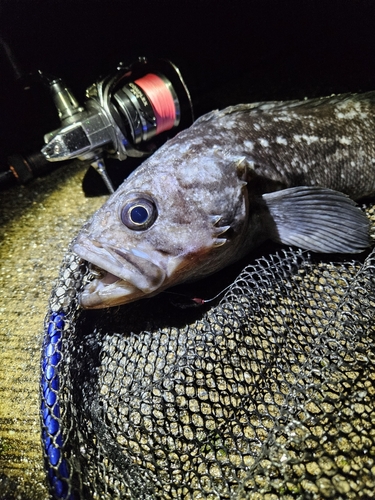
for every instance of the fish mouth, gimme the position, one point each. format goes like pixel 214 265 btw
pixel 120 276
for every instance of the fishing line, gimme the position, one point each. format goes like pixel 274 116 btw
pixel 195 301
pixel 161 99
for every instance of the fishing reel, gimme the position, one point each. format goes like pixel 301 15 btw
pixel 127 114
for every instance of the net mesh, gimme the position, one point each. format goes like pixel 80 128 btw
pixel 266 393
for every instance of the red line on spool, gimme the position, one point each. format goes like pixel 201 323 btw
pixel 161 101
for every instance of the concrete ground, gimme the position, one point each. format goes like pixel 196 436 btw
pixel 37 223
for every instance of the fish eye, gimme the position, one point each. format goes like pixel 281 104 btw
pixel 139 213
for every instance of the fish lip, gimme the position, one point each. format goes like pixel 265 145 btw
pixel 99 257
pixel 136 272
pixel 97 295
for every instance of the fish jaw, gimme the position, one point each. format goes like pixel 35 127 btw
pixel 125 275
pixel 98 295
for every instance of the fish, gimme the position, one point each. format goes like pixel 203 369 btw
pixel 283 171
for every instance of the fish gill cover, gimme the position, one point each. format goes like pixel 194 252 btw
pixel 265 393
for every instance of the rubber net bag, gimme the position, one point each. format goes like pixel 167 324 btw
pixel 266 392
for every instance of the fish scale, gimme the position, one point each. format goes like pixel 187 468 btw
pixel 306 144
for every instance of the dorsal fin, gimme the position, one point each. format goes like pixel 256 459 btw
pixel 279 106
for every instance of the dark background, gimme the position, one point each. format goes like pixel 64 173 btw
pixel 228 51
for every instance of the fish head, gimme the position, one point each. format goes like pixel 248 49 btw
pixel 166 224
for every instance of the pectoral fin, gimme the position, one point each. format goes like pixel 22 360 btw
pixel 317 219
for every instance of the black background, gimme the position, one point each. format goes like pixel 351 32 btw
pixel 228 51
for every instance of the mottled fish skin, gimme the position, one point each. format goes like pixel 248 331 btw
pixel 318 142
pixel 209 185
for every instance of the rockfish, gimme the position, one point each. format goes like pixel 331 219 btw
pixel 285 171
